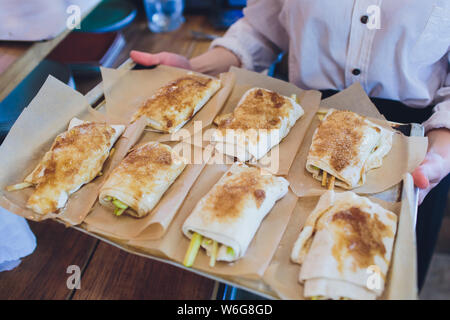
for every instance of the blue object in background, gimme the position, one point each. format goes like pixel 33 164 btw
pixel 237 3
pixel 226 18
pixel 164 15
pixel 109 16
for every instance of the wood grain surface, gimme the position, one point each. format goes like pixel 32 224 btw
pixel 116 274
pixel 43 274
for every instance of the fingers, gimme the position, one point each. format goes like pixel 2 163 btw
pixel 165 58
pixel 174 60
pixel 144 58
pixel 420 178
pixel 429 173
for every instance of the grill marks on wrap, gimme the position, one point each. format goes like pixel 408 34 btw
pixel 178 96
pixel 260 109
pixel 227 201
pixel 75 158
pixel 360 235
pixel 339 135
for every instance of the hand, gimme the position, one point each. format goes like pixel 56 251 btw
pixel 429 174
pixel 436 164
pixel 165 58
pixel 212 62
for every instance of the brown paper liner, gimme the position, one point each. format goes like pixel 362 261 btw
pixel 174 244
pixel 47 115
pixel 282 274
pixel 353 98
pixel 405 155
pixel 125 91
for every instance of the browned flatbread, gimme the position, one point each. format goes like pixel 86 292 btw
pixel 346 146
pixel 344 238
pixel 231 212
pixel 260 121
pixel 75 158
pixel 261 109
pixel 177 102
pixel 142 178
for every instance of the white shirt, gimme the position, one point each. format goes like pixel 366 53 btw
pixel 401 52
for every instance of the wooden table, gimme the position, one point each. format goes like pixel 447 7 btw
pixel 107 272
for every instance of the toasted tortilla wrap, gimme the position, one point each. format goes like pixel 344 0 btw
pixel 346 146
pixel 142 178
pixel 345 247
pixel 232 211
pixel 75 158
pixel 260 121
pixel 177 102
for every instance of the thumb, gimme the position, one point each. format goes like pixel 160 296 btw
pixel 420 178
pixel 144 58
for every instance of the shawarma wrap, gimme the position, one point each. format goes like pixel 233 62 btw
pixel 75 158
pixel 259 122
pixel 137 184
pixel 226 219
pixel 345 147
pixel 345 248
pixel 177 102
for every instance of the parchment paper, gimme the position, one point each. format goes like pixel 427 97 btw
pixel 282 274
pixel 153 226
pixel 405 155
pixel 280 158
pixel 126 90
pixel 47 115
pixel 174 244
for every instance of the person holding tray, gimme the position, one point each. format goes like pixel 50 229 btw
pixel 397 50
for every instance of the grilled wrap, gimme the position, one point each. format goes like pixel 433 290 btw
pixel 74 159
pixel 259 122
pixel 346 146
pixel 345 240
pixel 232 211
pixel 178 101
pixel 142 178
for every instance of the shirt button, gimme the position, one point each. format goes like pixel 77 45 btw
pixel 356 72
pixel 364 19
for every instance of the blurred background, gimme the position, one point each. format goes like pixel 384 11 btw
pixel 35 43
